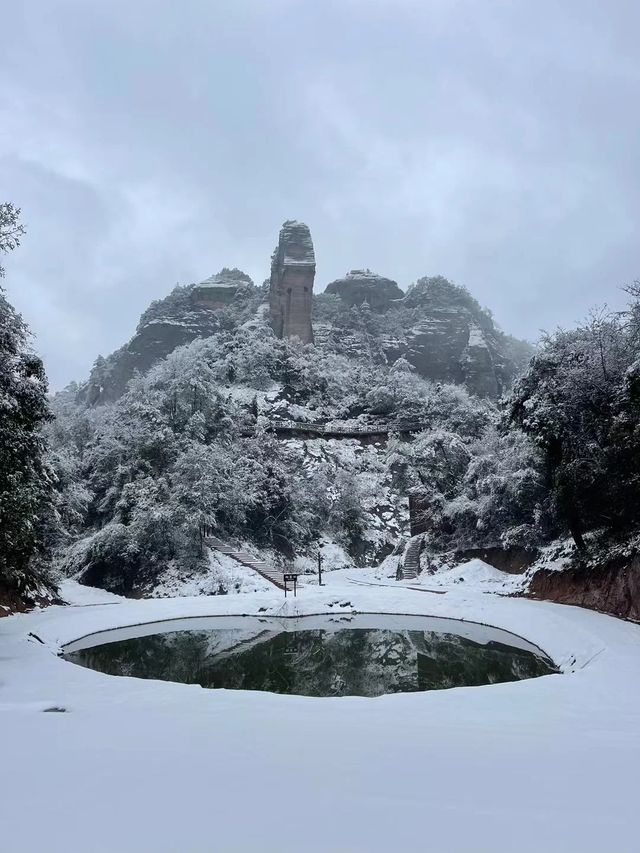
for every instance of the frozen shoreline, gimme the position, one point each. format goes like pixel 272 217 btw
pixel 135 765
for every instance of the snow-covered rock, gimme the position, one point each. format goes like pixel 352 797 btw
pixel 360 286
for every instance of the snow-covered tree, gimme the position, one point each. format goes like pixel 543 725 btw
pixel 25 478
pixel 579 403
pixel 11 229
pixel 502 499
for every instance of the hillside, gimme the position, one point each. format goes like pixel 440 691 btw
pixel 191 443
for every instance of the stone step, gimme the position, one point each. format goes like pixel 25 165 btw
pixel 263 568
pixel 410 566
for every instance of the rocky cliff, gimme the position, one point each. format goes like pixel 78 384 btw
pixel 187 313
pixel 437 327
pixel 359 286
pixel 448 337
pixel 221 289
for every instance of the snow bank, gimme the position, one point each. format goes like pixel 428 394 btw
pixel 478 575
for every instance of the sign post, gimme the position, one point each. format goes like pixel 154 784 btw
pixel 291 578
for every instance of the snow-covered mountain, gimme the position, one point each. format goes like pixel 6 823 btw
pixel 436 326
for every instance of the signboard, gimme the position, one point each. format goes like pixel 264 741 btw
pixel 290 577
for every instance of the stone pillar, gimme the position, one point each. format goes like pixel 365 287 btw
pixel 293 268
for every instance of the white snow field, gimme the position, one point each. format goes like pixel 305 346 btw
pixel 549 764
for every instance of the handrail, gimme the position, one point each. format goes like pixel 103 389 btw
pixel 328 429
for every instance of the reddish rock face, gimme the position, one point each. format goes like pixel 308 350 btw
pixel 293 269
pixel 612 588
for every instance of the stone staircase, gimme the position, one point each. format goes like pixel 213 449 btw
pixel 409 568
pixel 274 576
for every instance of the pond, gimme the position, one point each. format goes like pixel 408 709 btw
pixel 361 655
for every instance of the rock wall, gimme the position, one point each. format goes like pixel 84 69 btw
pixel 220 290
pixel 452 339
pixel 359 286
pixel 438 327
pixel 293 269
pixel 612 587
pixel 185 314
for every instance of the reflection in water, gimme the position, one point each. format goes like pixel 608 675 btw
pixel 345 662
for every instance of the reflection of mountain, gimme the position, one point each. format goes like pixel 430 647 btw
pixel 360 662
pixel 446 660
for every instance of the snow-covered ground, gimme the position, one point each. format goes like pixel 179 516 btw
pixel 543 765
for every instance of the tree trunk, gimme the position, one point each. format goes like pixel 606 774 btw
pixel 575 528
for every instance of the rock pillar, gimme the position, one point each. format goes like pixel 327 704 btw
pixel 293 268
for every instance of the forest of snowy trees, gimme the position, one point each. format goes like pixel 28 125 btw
pixel 187 445
pixel 117 493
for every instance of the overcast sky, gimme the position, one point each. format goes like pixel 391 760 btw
pixel 151 142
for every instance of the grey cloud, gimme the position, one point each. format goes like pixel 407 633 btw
pixel 154 142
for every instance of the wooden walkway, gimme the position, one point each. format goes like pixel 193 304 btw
pixel 300 428
pixel 274 576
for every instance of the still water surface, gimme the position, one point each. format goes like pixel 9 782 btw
pixel 320 656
